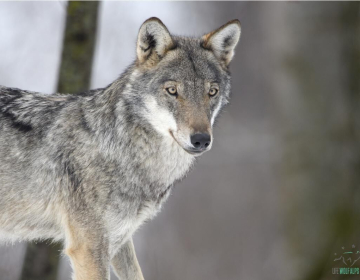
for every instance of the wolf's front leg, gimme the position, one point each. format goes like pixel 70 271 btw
pixel 125 263
pixel 89 253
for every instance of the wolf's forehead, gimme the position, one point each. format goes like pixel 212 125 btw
pixel 190 61
pixel 191 64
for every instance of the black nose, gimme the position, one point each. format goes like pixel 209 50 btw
pixel 200 140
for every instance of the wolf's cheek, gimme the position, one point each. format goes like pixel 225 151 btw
pixel 160 118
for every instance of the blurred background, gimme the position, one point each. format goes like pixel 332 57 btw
pixel 278 197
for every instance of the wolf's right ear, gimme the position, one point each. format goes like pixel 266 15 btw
pixel 153 41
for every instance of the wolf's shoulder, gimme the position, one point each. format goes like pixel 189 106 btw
pixel 14 100
pixel 12 97
pixel 26 110
pixel 8 94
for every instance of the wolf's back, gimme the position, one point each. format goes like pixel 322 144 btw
pixel 25 121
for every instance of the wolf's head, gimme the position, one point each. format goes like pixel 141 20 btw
pixel 184 82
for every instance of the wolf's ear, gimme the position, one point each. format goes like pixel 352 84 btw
pixel 153 41
pixel 223 41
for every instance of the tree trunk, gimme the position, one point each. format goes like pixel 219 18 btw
pixel 78 48
pixel 42 258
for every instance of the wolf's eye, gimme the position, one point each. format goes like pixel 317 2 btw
pixel 213 92
pixel 171 90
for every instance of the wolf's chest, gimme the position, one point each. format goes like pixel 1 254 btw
pixel 122 228
pixel 151 181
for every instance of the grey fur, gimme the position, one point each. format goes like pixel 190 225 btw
pixel 89 169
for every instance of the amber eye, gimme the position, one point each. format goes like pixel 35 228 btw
pixel 213 92
pixel 171 90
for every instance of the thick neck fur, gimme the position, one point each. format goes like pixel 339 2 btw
pixel 150 161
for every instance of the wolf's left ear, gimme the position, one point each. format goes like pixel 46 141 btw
pixel 223 41
pixel 153 41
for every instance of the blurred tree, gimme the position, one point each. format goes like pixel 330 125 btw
pixel 78 47
pixel 42 259
pixel 322 157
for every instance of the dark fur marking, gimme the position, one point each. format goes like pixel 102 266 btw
pixel 85 123
pixel 149 38
pixel 162 194
pixel 203 45
pixel 11 92
pixel 192 62
pixel 70 172
pixel 227 42
pixel 68 169
pixel 138 101
pixel 88 92
pixel 214 69
pixel 10 102
pixel 174 46
pixel 15 123
pixel 129 116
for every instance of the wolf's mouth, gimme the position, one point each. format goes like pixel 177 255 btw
pixel 172 135
pixel 195 153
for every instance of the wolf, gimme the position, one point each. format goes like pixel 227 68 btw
pixel 88 169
